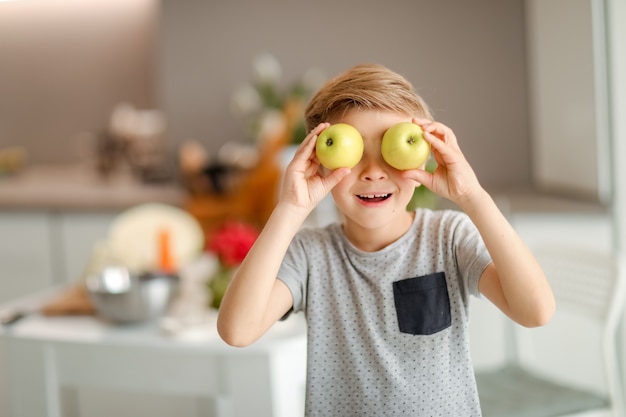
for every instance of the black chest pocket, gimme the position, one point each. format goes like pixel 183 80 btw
pixel 422 304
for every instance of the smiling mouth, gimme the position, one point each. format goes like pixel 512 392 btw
pixel 374 198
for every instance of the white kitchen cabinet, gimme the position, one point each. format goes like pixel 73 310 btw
pixel 27 262
pixel 39 249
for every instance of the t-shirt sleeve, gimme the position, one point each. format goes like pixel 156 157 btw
pixel 471 253
pixel 293 271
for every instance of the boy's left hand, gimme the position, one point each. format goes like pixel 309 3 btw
pixel 453 178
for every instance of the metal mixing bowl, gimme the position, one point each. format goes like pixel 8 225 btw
pixel 124 297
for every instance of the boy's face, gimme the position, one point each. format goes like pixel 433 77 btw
pixel 374 195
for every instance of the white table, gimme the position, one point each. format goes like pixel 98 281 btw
pixel 49 357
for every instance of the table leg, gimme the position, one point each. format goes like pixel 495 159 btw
pixel 34 388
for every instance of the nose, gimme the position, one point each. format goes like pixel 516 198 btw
pixel 373 168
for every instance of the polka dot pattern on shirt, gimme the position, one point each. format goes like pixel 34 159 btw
pixel 359 362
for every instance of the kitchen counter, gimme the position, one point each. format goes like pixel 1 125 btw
pixel 514 201
pixel 533 201
pixel 76 187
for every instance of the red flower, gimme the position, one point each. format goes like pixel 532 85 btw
pixel 232 242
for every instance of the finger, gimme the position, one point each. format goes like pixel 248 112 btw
pixel 420 176
pixel 307 146
pixel 421 121
pixel 436 143
pixel 432 127
pixel 312 168
pixel 335 177
pixel 441 151
pixel 318 129
pixel 310 140
pixel 428 127
pixel 441 131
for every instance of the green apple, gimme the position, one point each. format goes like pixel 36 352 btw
pixel 339 145
pixel 403 146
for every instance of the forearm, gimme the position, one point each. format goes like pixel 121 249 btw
pixel 248 307
pixel 520 287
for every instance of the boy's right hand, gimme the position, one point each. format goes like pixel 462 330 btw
pixel 305 183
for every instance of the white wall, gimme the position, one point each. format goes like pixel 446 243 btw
pixel 568 97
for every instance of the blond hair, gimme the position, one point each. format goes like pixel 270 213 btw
pixel 364 87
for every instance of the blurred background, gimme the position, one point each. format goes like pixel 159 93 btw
pixel 105 105
pixel 66 65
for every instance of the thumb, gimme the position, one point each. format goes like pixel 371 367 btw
pixel 420 177
pixel 335 177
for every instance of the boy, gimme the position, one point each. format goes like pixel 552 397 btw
pixel 385 292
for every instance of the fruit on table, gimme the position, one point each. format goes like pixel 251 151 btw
pixel 404 147
pixel 339 145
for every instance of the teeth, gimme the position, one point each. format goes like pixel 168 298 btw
pixel 373 195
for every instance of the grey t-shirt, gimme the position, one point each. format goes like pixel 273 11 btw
pixel 387 330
